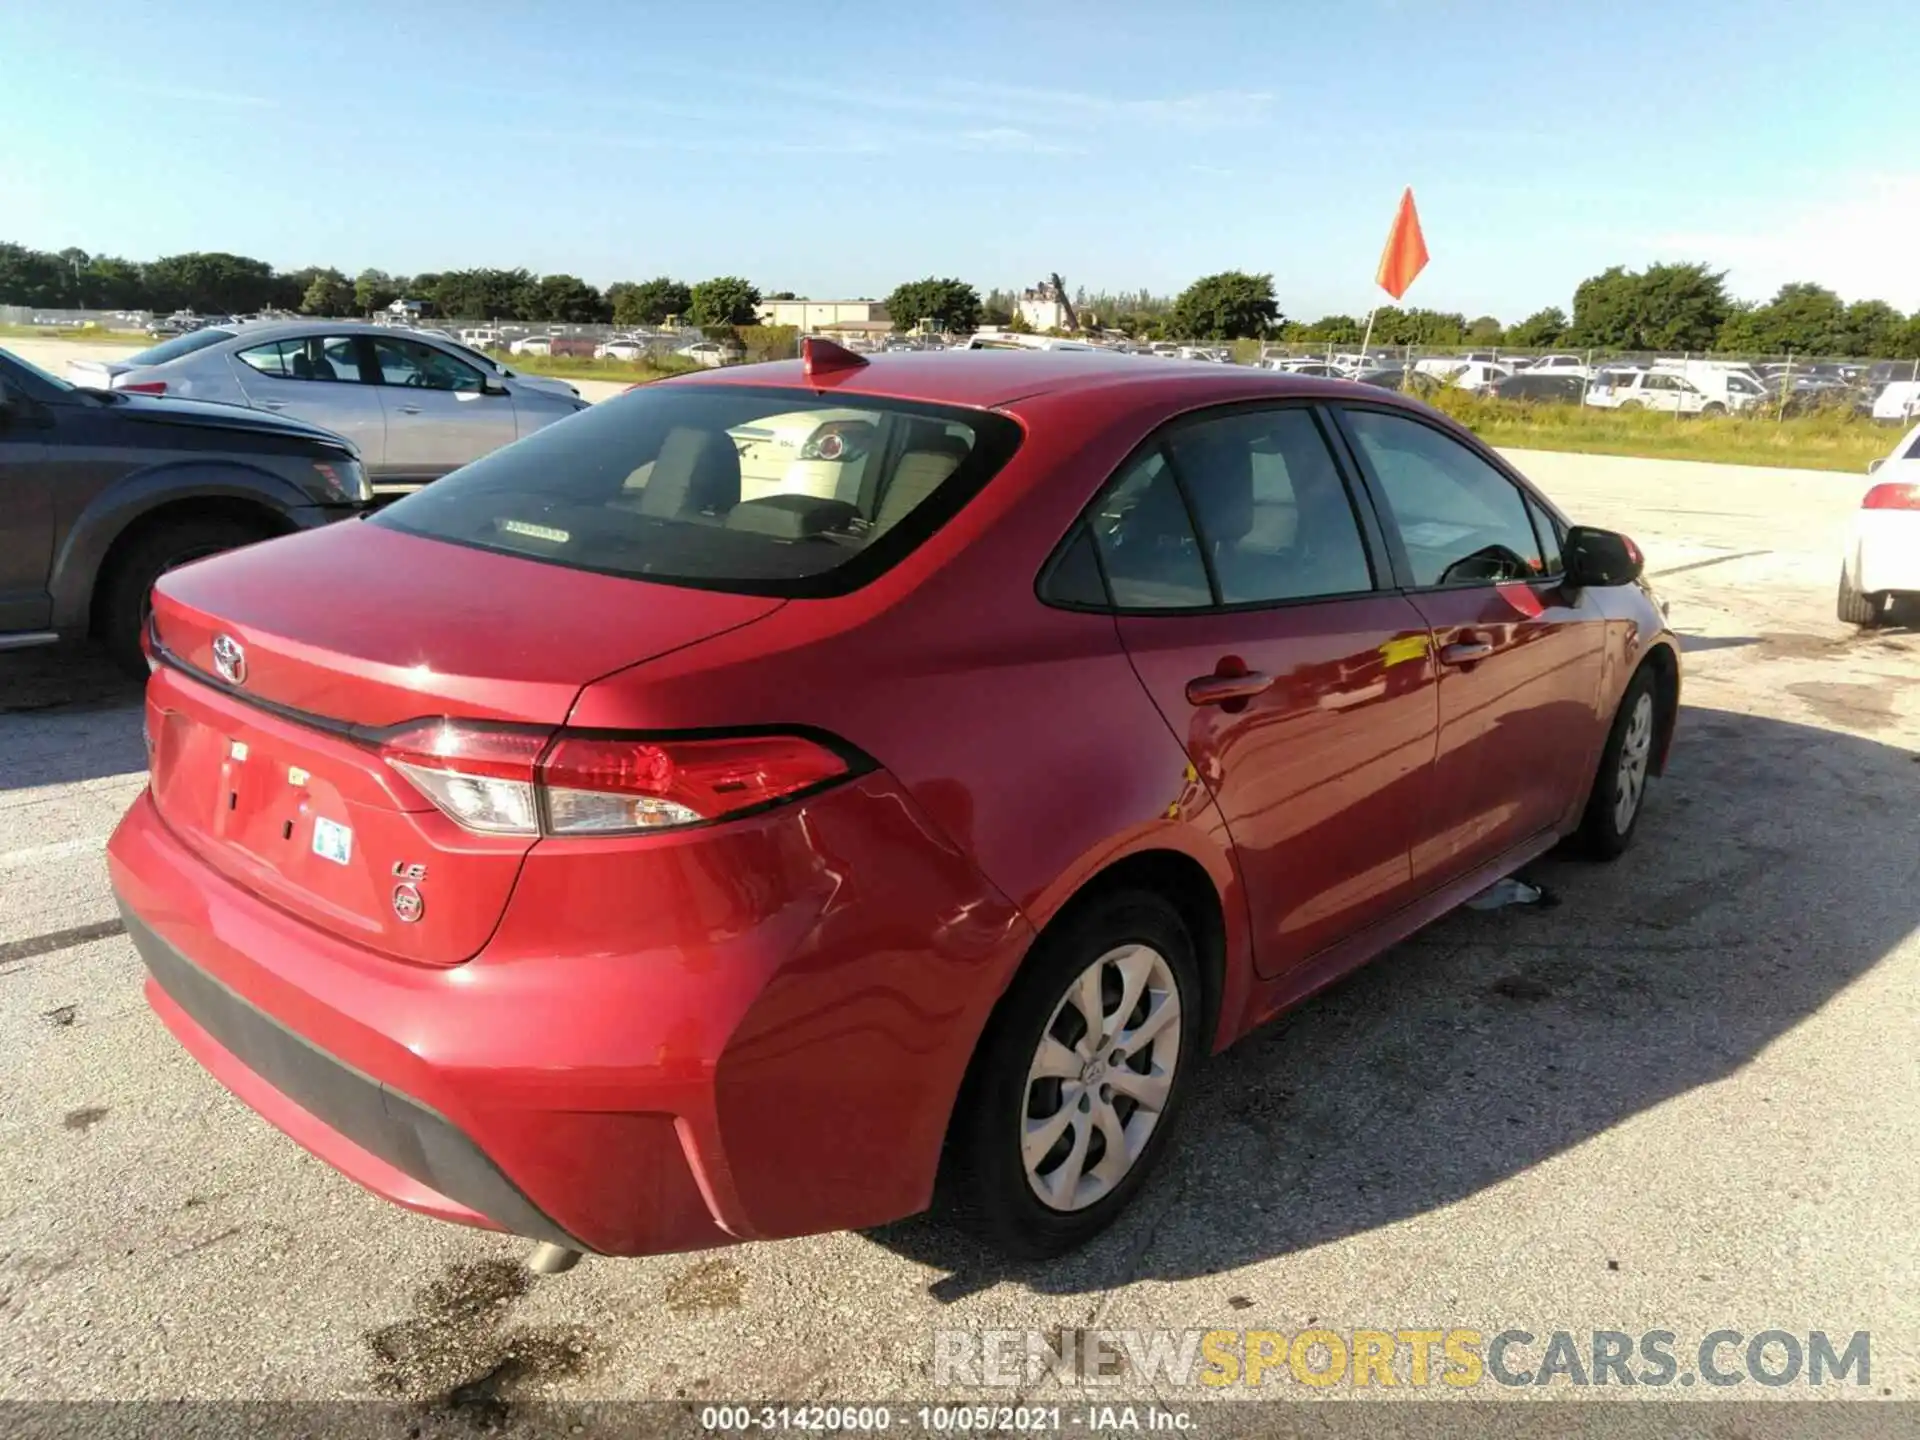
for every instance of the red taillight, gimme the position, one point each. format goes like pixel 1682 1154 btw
pixel 145 387
pixel 1892 496
pixel 524 781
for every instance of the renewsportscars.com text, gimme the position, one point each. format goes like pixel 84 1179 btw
pixel 1453 1357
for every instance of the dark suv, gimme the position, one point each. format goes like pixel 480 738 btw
pixel 101 493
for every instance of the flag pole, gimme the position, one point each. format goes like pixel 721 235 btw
pixel 1369 337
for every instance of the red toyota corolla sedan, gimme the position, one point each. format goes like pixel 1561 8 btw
pixel 768 801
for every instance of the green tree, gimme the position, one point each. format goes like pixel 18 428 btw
pixel 1540 329
pixel 1327 330
pixel 1393 326
pixel 328 293
pixel 567 298
pixel 1232 305
pixel 1485 330
pixel 211 281
pixel 1870 327
pixel 479 294
pixel 374 290
pixel 1803 319
pixel 31 277
pixel 952 305
pixel 650 302
pixel 1664 307
pixel 110 283
pixel 724 300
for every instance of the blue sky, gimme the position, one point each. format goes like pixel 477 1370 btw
pixel 840 148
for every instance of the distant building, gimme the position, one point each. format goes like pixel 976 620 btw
pixel 815 317
pixel 1044 307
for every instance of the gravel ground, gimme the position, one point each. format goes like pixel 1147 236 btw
pixel 1683 1097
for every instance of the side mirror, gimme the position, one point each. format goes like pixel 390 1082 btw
pixel 1600 557
pixel 492 385
pixel 1872 465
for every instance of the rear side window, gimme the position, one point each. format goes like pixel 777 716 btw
pixel 1146 540
pixel 1273 512
pixel 313 358
pixel 759 491
pixel 180 345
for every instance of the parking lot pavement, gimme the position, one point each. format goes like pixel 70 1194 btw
pixel 1683 1097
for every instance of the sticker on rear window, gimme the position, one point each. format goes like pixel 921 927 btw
pixel 332 840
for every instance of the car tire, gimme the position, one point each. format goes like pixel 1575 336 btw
pixel 994 1168
pixel 1855 608
pixel 1712 408
pixel 123 597
pixel 1632 405
pixel 1619 791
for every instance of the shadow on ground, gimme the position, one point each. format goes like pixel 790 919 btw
pixel 1759 887
pixel 66 714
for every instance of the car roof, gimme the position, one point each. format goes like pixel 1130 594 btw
pixel 283 329
pixel 985 379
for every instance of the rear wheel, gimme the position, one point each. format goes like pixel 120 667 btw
pixel 125 592
pixel 1854 608
pixel 1620 783
pixel 1633 405
pixel 1072 1095
pixel 1713 407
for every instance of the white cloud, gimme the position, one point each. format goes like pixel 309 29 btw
pixel 1861 241
pixel 192 96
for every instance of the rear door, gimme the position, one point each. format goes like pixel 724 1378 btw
pixel 1245 572
pixel 319 379
pixel 438 414
pixel 1519 655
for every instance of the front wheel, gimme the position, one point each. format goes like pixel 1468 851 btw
pixel 1072 1095
pixel 125 593
pixel 1620 783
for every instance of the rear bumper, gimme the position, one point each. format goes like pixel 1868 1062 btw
pixel 1887 551
pixel 769 1046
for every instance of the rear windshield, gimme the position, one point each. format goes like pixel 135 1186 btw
pixel 759 491
pixel 180 345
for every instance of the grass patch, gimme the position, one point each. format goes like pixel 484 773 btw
pixel 87 334
pixel 576 367
pixel 1829 440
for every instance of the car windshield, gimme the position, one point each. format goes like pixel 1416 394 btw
pixel 34 370
pixel 180 345
pixel 758 491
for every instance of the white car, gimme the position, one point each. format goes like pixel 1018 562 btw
pixel 704 352
pixel 620 350
pixel 1553 365
pixel 1479 376
pixel 1898 400
pixel 1882 560
pixel 532 345
pixel 1648 390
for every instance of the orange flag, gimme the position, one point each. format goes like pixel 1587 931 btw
pixel 1406 252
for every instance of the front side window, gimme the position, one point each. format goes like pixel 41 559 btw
pixel 1274 516
pixel 1461 520
pixel 754 490
pixel 422 367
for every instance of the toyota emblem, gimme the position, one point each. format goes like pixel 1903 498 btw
pixel 408 903
pixel 229 659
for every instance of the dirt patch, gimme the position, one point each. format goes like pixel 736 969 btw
pixel 710 1285
pixel 85 1119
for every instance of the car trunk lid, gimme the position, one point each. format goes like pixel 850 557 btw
pixel 287 662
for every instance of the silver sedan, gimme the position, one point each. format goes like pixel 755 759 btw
pixel 416 406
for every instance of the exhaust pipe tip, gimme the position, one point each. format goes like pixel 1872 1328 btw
pixel 550 1259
